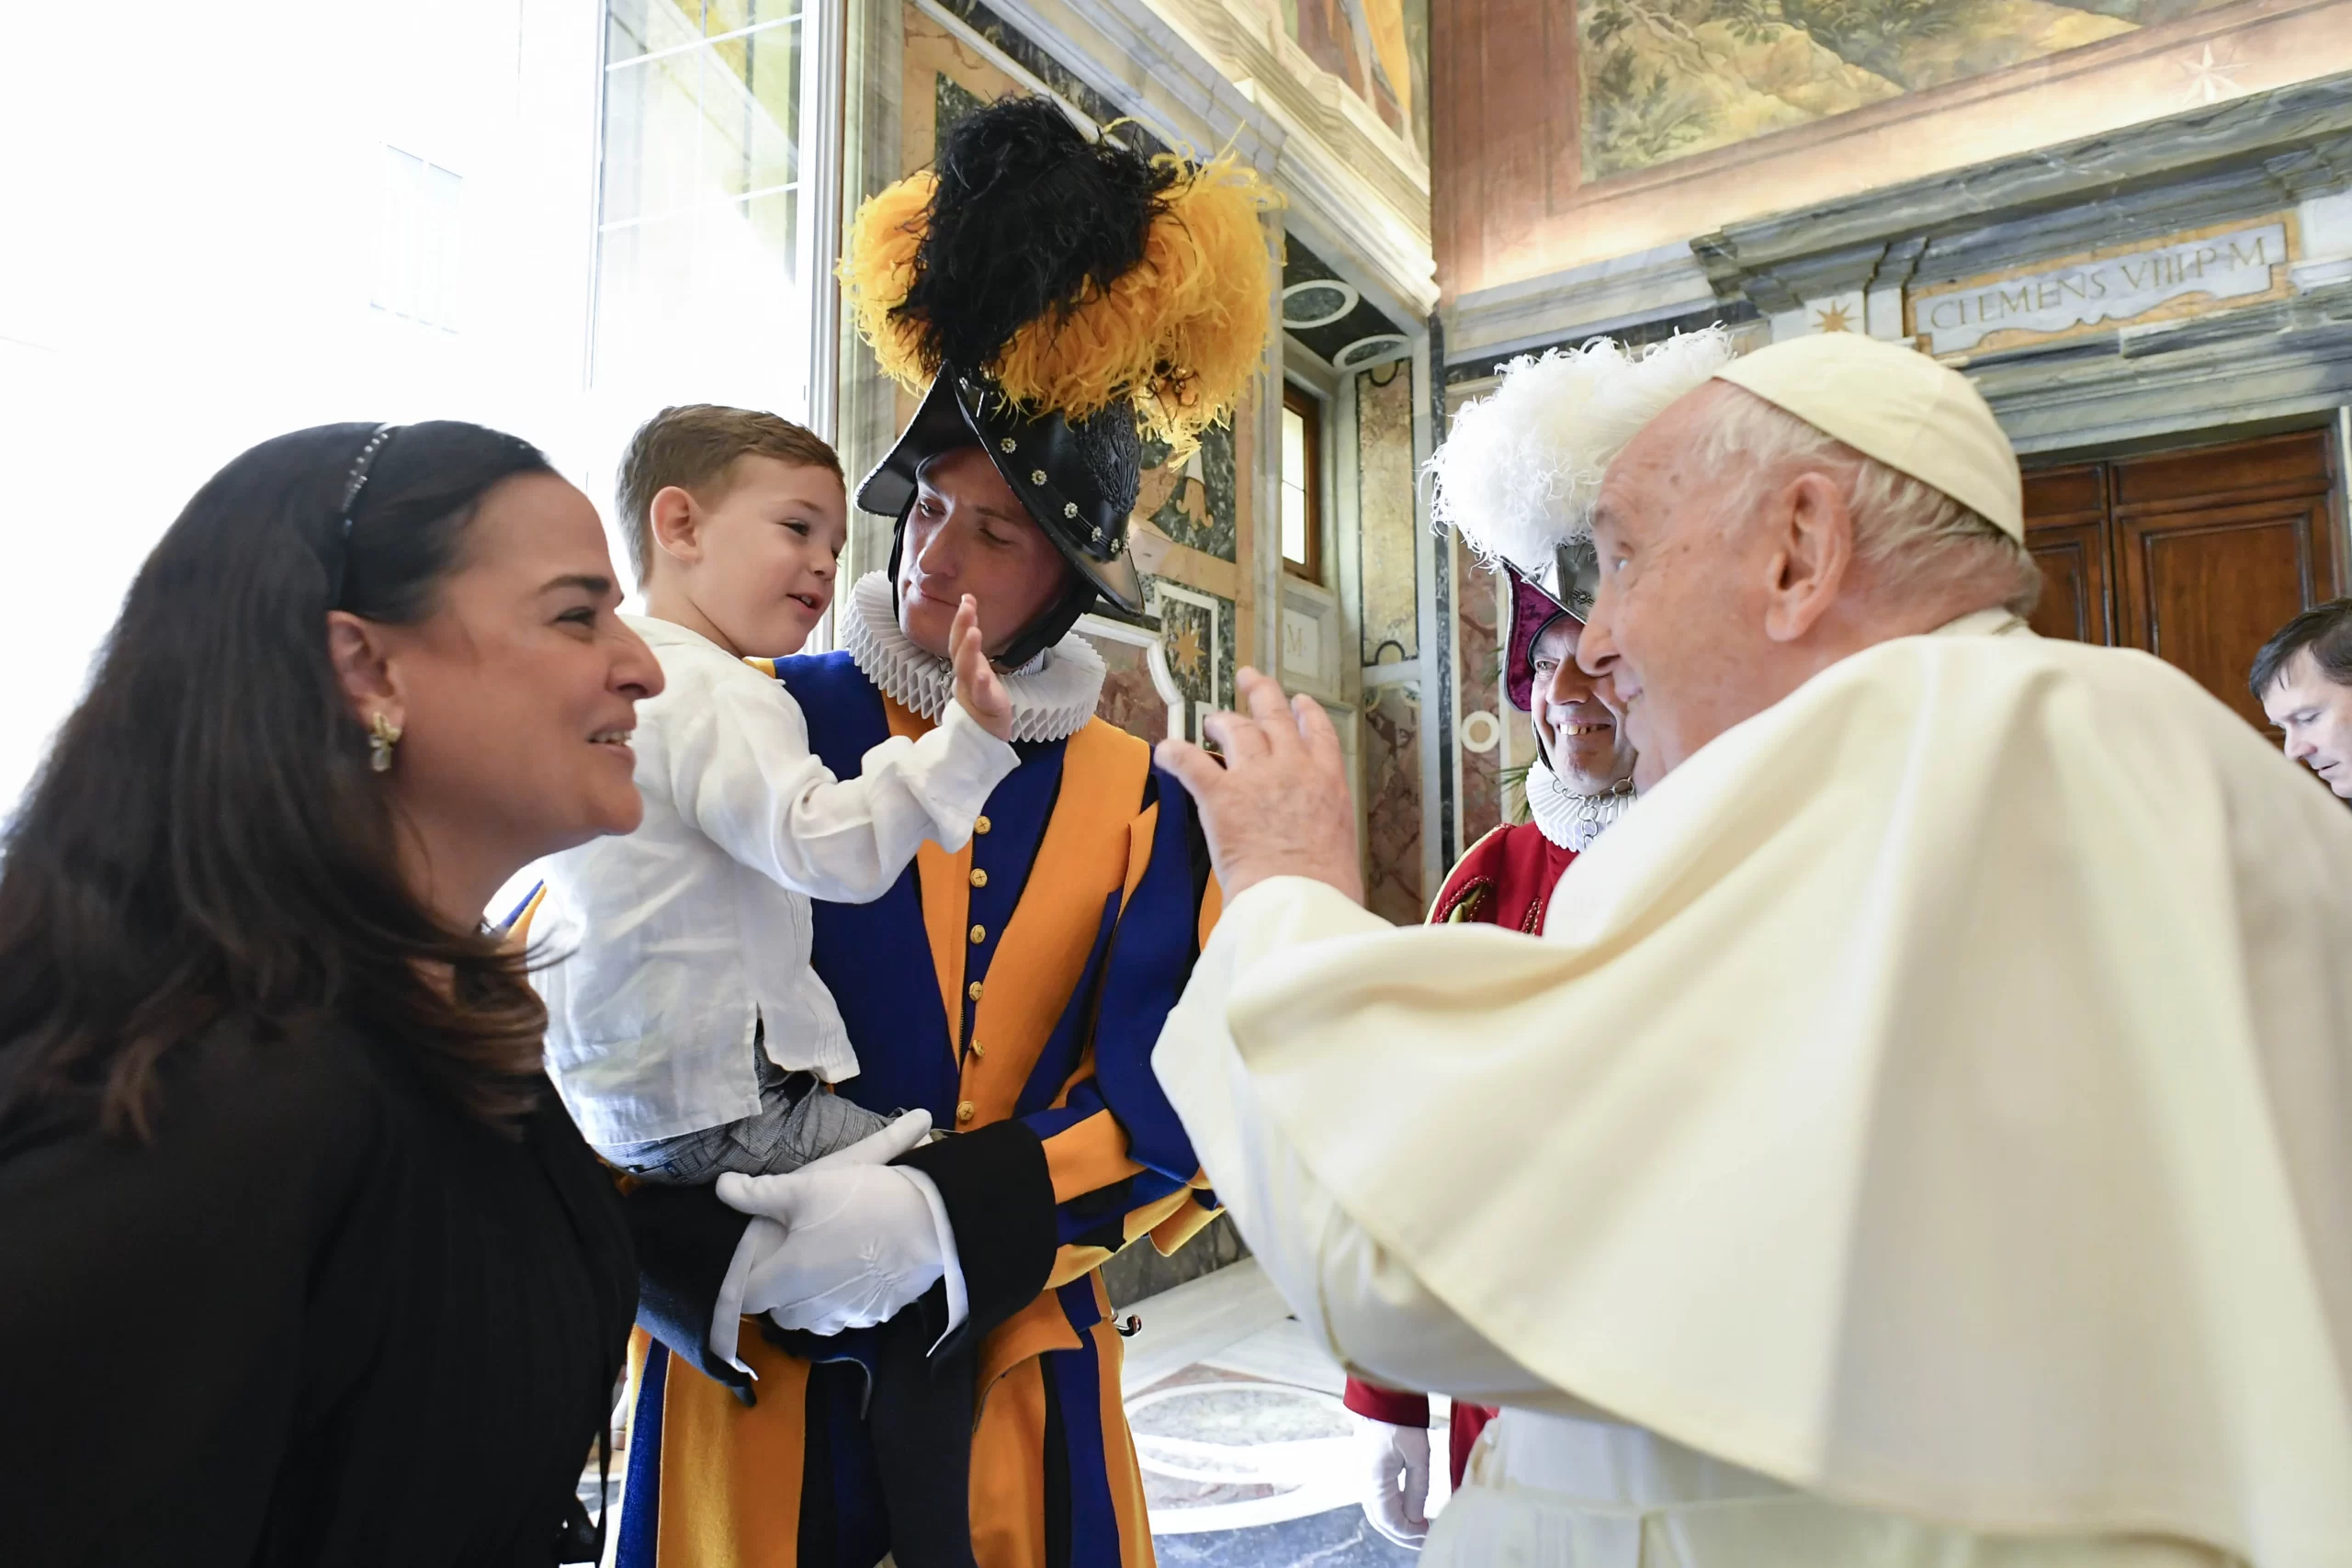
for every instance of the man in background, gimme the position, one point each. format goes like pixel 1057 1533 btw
pixel 2302 678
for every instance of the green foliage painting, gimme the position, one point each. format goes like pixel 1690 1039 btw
pixel 1663 79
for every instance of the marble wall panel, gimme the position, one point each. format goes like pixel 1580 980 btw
pixel 1198 631
pixel 1478 733
pixel 1195 502
pixel 1033 56
pixel 1201 505
pixel 942 78
pixel 951 101
pixel 1129 698
pixel 1390 589
pixel 1392 773
pixel 1228 637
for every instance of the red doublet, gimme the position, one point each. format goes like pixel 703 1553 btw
pixel 1505 880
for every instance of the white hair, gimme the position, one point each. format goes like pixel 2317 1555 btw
pixel 1519 468
pixel 1906 533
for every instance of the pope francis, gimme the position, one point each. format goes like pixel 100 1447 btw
pixel 1922 1134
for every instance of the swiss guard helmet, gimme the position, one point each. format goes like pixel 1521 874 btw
pixel 1057 298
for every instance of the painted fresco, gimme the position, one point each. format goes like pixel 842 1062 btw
pixel 1379 48
pixel 1663 79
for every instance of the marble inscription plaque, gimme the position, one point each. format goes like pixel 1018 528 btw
pixel 2178 276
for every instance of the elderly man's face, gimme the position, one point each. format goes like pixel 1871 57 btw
pixel 1677 631
pixel 2316 714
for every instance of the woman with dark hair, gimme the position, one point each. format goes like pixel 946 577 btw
pixel 303 1263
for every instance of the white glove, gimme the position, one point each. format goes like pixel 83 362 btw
pixel 1394 1464
pixel 847 1240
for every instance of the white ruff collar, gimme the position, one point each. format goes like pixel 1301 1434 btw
pixel 1053 696
pixel 1571 820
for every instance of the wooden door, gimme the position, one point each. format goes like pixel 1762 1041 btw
pixel 2065 513
pixel 2196 556
pixel 2215 550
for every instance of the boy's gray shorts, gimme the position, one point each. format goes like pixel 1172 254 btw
pixel 798 1121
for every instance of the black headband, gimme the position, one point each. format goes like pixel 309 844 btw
pixel 341 545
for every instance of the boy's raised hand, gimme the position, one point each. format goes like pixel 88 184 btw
pixel 977 686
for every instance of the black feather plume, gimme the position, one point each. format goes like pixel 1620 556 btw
pixel 1028 217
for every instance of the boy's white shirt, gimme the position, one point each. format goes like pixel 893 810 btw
pixel 672 943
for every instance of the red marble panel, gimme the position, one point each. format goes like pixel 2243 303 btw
pixel 1478 670
pixel 1392 775
pixel 1129 700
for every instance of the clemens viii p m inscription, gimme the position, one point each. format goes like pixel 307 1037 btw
pixel 2183 276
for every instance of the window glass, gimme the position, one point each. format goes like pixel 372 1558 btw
pixel 1302 486
pixel 700 292
pixel 1295 485
pixel 417 253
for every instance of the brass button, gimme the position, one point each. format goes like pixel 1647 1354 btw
pixel 980 877
pixel 979 935
pixel 973 990
pixel 966 1112
pixel 978 1049
pixel 979 824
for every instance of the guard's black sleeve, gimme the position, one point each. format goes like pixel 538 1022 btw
pixel 685 1240
pixel 1000 1198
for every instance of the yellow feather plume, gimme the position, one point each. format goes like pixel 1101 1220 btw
pixel 1180 335
pixel 877 270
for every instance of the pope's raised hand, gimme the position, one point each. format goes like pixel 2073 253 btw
pixel 1279 806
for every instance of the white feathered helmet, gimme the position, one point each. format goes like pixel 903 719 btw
pixel 1520 467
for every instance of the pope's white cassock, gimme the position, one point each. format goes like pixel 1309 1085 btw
pixel 1920 1136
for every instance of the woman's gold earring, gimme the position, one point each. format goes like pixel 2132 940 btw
pixel 382 736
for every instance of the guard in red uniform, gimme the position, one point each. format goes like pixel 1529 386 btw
pixel 1494 477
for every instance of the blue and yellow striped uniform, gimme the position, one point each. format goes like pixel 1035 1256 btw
pixel 1057 941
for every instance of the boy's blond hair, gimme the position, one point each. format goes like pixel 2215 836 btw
pixel 693 447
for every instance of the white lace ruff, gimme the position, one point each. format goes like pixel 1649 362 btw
pixel 1571 820
pixel 1053 694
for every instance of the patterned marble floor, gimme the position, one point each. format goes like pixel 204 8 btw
pixel 1247 1454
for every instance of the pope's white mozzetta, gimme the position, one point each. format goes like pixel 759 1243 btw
pixel 1930 1103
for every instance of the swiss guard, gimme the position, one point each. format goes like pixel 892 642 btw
pixel 1057 299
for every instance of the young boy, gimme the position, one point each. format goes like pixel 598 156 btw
pixel 686 1031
